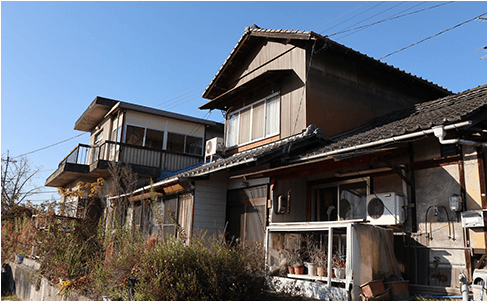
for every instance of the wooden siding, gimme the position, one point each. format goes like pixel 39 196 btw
pixel 279 56
pixel 252 145
pixel 210 204
pixel 343 94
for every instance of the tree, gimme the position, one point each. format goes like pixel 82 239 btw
pixel 16 176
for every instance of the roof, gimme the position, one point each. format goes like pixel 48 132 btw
pixel 445 111
pixel 101 106
pixel 312 135
pixel 215 88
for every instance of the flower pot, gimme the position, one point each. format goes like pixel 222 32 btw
pixel 339 273
pixel 311 268
pixel 321 271
pixel 298 269
pixel 290 269
pixel 20 258
pixel 399 290
pixel 373 288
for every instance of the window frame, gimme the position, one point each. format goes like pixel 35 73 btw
pixel 236 114
pixel 315 188
pixel 164 135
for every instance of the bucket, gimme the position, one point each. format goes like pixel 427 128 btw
pixel 20 258
pixel 399 289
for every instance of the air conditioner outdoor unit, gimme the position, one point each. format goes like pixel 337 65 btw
pixel 213 147
pixel 386 209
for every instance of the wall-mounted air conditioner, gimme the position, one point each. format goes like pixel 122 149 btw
pixel 213 146
pixel 386 209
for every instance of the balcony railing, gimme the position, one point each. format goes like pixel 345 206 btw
pixel 131 154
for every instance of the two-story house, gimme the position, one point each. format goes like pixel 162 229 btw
pixel 148 140
pixel 326 144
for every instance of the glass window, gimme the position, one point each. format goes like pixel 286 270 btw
pixel 254 122
pixel 135 135
pixel 194 145
pixel 244 126
pixel 258 119
pixel 272 119
pixel 98 137
pixel 232 130
pixel 175 142
pixel 154 138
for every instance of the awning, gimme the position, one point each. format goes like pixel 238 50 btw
pixel 225 100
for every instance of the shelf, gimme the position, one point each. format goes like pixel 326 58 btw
pixel 314 278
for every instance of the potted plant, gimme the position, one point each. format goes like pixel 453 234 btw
pixel 321 260
pixel 288 257
pixel 338 263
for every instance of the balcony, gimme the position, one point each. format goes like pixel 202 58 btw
pixel 91 162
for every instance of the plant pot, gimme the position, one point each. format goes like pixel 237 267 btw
pixel 339 273
pixel 298 269
pixel 321 271
pixel 20 258
pixel 373 288
pixel 290 269
pixel 311 268
pixel 399 290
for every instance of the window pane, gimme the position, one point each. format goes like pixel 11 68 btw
pixel 154 138
pixel 244 126
pixel 194 145
pixel 258 119
pixel 353 199
pixel 98 137
pixel 175 142
pixel 232 128
pixel 135 135
pixel 272 116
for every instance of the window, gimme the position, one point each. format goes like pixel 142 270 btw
pixel 183 143
pixel 141 136
pixel 341 201
pixel 254 122
pixel 98 137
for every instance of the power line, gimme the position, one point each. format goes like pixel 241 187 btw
pixel 390 18
pixel 43 148
pixel 340 16
pixel 357 29
pixel 435 35
pixel 353 16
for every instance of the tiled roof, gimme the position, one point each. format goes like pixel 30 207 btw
pixel 312 133
pixel 454 108
pixel 255 30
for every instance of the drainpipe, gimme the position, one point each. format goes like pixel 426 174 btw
pixel 440 133
pixel 463 286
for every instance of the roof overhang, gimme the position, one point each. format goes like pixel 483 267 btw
pixel 228 98
pixel 94 114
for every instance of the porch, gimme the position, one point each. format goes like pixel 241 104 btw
pixel 92 161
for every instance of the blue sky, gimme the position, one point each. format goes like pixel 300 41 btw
pixel 56 57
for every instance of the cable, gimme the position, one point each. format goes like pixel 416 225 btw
pixel 57 143
pixel 353 17
pixel 340 16
pixel 435 35
pixel 390 18
pixel 376 14
pixel 357 29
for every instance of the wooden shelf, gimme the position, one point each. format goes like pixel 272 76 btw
pixel 314 278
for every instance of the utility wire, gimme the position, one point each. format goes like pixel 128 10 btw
pixel 383 20
pixel 435 35
pixel 353 17
pixel 340 16
pixel 390 18
pixel 376 14
pixel 57 143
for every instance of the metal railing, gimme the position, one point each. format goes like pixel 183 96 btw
pixel 131 154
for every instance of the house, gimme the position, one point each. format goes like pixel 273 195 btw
pixel 148 140
pixel 326 143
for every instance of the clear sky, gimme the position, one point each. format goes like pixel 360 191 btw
pixel 56 57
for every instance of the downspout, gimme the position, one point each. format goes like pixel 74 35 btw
pixel 440 133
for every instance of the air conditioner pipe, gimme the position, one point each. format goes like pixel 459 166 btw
pixel 440 133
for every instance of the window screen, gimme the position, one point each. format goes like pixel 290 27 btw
pixel 154 138
pixel 175 142
pixel 194 145
pixel 135 135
